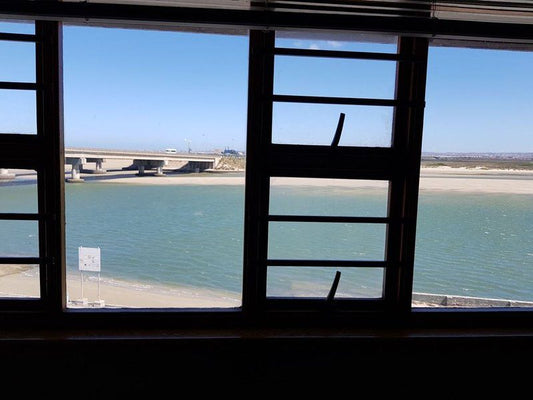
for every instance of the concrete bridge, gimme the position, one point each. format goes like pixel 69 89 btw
pixel 79 159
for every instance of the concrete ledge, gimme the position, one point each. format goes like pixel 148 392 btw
pixel 443 300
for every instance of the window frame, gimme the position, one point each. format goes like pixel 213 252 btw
pixel 45 154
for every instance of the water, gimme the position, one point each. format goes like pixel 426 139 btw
pixel 192 235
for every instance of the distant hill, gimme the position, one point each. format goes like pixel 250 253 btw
pixel 477 156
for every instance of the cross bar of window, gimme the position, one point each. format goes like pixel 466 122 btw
pixel 18 37
pixel 354 55
pixel 19 216
pixel 326 263
pixel 18 85
pixel 334 100
pixel 318 304
pixel 20 260
pixel 336 219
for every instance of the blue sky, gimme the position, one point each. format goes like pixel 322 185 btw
pixel 152 90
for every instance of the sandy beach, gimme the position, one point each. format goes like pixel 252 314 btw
pixel 431 179
pixel 22 281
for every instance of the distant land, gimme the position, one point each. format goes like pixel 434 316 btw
pixel 515 161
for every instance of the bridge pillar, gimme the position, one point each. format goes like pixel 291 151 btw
pixel 76 163
pixel 99 166
pixel 142 165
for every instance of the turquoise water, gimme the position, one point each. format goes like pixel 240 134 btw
pixel 192 235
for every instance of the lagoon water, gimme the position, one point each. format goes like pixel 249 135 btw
pixel 468 244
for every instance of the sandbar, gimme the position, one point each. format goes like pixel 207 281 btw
pixel 431 179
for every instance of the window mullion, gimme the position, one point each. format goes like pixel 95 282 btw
pixel 403 194
pixel 51 181
pixel 260 90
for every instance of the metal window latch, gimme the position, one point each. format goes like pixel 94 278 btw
pixel 333 290
pixel 338 132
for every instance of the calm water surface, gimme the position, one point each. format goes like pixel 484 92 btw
pixel 467 244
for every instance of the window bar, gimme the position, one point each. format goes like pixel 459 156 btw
pixel 316 218
pixel 18 85
pixel 354 55
pixel 49 61
pixel 334 100
pixel 18 37
pixel 20 260
pixel 319 303
pixel 403 189
pixel 20 216
pixel 259 137
pixel 326 263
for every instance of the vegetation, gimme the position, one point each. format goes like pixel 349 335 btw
pixel 522 165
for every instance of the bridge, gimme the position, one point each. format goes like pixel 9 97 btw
pixel 80 159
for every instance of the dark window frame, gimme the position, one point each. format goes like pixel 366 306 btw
pixel 44 152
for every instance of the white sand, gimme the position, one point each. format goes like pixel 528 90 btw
pixel 22 281
pixel 431 179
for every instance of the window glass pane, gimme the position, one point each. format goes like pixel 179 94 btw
pixel 162 191
pixel 17 27
pixel 18 111
pixel 18 61
pixel 19 280
pixel 328 197
pixel 18 191
pixel 315 124
pixel 475 220
pixel 336 41
pixel 317 282
pixel 313 76
pixel 19 238
pixel 326 241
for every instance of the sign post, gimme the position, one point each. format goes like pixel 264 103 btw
pixel 89 260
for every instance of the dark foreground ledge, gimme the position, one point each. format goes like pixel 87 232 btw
pixel 95 364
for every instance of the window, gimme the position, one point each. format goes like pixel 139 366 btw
pixel 296 249
pixel 22 209
pixel 319 211
pixel 148 115
pixel 476 191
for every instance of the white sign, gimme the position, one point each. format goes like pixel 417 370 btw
pixel 89 259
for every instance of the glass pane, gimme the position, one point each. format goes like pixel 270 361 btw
pixel 18 61
pixel 328 197
pixel 326 241
pixel 162 195
pixel 313 76
pixel 27 27
pixel 315 124
pixel 19 238
pixel 18 111
pixel 19 280
pixel 337 41
pixel 18 191
pixel 317 282
pixel 475 219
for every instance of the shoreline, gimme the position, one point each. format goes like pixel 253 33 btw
pixel 432 179
pixel 23 282
pixel 438 179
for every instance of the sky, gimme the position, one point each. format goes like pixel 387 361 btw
pixel 152 90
